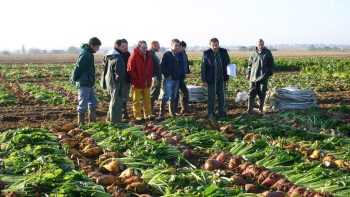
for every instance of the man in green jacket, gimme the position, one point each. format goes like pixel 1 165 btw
pixel 115 81
pixel 260 68
pixel 84 76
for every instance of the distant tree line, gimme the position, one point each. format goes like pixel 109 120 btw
pixel 23 51
pixel 195 48
pixel 324 48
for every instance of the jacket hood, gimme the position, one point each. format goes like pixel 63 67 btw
pixel 112 52
pixel 86 47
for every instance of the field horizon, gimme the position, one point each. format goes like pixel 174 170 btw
pixel 71 58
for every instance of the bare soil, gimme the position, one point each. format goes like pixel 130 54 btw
pixel 32 113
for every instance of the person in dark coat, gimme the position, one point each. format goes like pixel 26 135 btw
pixel 114 80
pixel 185 95
pixel 172 70
pixel 124 52
pixel 214 76
pixel 157 74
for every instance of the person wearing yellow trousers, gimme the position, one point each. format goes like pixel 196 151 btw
pixel 140 68
pixel 145 94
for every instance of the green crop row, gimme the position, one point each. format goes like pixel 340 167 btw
pixel 6 98
pixel 42 94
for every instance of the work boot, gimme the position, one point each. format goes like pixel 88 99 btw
pixel 125 111
pixel 172 109
pixel 250 105
pixel 92 115
pixel 81 118
pixel 162 110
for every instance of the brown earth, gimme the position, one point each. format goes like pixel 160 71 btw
pixel 30 112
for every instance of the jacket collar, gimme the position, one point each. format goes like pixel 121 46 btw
pixel 138 52
pixel 212 52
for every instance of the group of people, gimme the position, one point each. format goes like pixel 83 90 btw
pixel 145 75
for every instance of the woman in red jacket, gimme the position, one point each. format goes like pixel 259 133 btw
pixel 140 70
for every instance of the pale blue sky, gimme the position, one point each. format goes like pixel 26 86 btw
pixel 59 24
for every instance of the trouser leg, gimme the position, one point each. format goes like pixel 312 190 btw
pixel 253 91
pixel 125 95
pixel 86 101
pixel 136 106
pixel 174 91
pixel 155 92
pixel 162 109
pixel 116 108
pixel 262 94
pixel 221 93
pixel 146 98
pixel 211 100
pixel 81 118
pixel 185 96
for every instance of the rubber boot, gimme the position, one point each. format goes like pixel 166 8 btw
pixel 172 109
pixel 261 105
pixel 176 106
pixel 153 105
pixel 81 118
pixel 92 115
pixel 250 105
pixel 162 110
pixel 125 111
pixel 108 119
pixel 184 105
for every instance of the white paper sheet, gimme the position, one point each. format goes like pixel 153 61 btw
pixel 232 70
